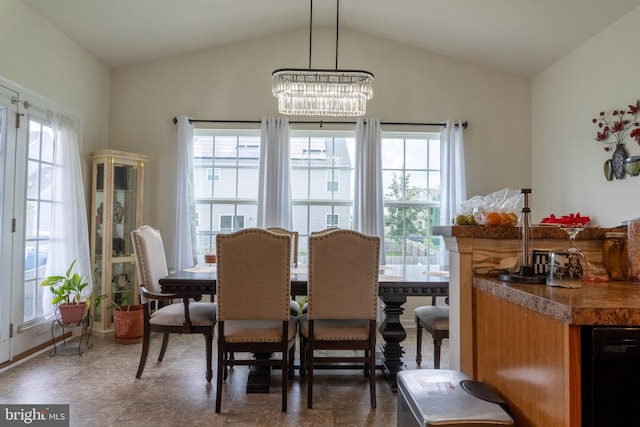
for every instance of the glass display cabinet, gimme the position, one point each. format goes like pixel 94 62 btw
pixel 117 210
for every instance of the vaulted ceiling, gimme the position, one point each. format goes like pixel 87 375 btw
pixel 518 36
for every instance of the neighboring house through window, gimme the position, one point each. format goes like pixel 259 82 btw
pixel 322 179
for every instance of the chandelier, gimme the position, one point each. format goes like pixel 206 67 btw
pixel 322 92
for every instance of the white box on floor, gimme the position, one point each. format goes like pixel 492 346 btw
pixel 435 397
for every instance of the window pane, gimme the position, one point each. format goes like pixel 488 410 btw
pixel 411 181
pixel 38 214
pixel 417 154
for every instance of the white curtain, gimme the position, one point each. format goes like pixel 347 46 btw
pixel 452 170
pixel 184 254
pixel 368 211
pixel 274 189
pixel 69 235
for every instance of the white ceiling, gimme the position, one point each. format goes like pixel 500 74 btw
pixel 519 36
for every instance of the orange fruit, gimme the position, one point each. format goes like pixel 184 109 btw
pixel 509 218
pixel 493 218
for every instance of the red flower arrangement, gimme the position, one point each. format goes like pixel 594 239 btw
pixel 569 220
pixel 624 124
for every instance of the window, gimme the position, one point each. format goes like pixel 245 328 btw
pixel 225 183
pixel 38 211
pixel 320 161
pixel 411 179
pixel 230 223
pixel 213 174
pixel 333 181
pixel 322 178
pixel 332 221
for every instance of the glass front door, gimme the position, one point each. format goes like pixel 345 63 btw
pixel 8 111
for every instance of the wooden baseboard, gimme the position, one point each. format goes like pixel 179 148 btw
pixel 34 350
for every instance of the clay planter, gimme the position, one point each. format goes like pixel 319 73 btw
pixel 72 314
pixel 128 324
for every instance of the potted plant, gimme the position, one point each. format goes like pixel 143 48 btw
pixel 128 322
pixel 68 298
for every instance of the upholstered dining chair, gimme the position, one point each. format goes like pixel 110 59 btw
pixel 326 230
pixel 295 307
pixel 343 268
pixel 168 318
pixel 253 295
pixel 435 319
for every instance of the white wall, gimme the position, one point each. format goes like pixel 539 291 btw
pixel 234 82
pixel 600 75
pixel 38 58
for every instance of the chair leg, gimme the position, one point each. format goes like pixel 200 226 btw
pixel 221 368
pixel 418 343
pixel 292 355
pixel 208 338
pixel 372 374
pixel 310 375
pixel 303 357
pixel 366 365
pixel 284 366
pixel 163 348
pixel 437 344
pixel 145 351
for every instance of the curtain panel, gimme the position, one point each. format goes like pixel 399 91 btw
pixel 69 235
pixel 184 254
pixel 368 201
pixel 274 181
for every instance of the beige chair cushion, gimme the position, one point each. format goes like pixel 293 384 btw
pixel 435 316
pixel 335 330
pixel 257 330
pixel 200 313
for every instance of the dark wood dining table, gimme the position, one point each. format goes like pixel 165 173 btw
pixel 396 284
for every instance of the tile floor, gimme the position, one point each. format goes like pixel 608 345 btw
pixel 101 388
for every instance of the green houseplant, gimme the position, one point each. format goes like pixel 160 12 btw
pixel 67 296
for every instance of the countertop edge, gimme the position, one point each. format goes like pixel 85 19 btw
pixel 584 306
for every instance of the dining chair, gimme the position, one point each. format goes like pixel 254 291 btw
pixel 168 317
pixel 435 319
pixel 254 303
pixel 295 307
pixel 326 230
pixel 343 269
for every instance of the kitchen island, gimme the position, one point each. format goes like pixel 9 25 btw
pixel 477 248
pixel 529 345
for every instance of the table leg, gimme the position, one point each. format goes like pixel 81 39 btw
pixel 259 380
pixel 393 334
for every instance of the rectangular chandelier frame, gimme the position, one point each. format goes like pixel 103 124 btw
pixel 322 92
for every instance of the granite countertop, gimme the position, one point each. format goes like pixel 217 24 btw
pixel 596 303
pixel 514 232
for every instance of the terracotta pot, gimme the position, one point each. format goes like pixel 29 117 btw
pixel 128 324
pixel 72 314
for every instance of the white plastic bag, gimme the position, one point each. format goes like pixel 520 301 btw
pixel 499 208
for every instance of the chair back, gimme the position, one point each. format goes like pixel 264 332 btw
pixel 343 275
pixel 151 264
pixel 294 241
pixel 326 230
pixel 254 275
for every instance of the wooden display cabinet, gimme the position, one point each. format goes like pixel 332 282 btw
pixel 116 208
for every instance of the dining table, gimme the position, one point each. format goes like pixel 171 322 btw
pixel 396 284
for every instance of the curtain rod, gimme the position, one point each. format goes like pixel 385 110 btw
pixel 465 124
